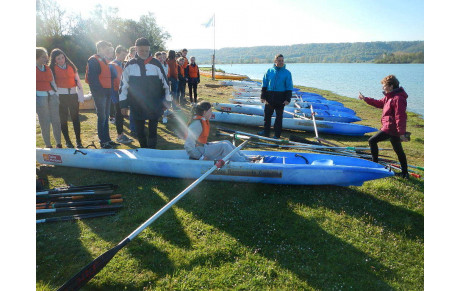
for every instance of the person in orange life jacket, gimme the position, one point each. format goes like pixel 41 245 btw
pixel 70 92
pixel 184 55
pixel 132 54
pixel 145 90
pixel 182 81
pixel 394 118
pixel 117 70
pixel 192 73
pixel 276 93
pixel 161 56
pixel 99 78
pixel 47 100
pixel 196 143
pixel 173 78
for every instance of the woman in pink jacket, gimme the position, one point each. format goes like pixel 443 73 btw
pixel 393 120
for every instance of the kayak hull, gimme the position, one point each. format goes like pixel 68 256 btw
pixel 276 168
pixel 295 123
pixel 323 115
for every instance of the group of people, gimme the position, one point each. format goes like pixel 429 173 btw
pixel 151 84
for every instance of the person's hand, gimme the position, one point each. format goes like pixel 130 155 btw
pixel 124 111
pixel 361 96
pixel 286 103
pixel 403 137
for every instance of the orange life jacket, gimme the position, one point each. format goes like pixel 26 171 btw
pixel 193 71
pixel 203 138
pixel 44 79
pixel 65 78
pixel 117 80
pixel 104 77
pixel 173 68
pixel 185 63
pixel 181 70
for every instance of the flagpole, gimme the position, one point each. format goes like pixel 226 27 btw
pixel 214 55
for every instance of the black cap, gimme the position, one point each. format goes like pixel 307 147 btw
pixel 142 42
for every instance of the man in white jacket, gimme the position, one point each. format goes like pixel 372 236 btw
pixel 144 89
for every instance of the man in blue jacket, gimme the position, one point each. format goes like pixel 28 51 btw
pixel 276 93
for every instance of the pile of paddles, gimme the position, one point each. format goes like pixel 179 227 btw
pixel 82 201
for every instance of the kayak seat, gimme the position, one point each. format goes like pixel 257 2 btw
pixel 324 162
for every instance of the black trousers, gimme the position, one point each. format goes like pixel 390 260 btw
pixel 194 87
pixel 118 118
pixel 268 113
pixel 149 141
pixel 68 103
pixel 397 147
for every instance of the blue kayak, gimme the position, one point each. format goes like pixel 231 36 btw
pixel 328 127
pixel 324 115
pixel 270 167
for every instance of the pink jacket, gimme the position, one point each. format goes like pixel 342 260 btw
pixel 394 115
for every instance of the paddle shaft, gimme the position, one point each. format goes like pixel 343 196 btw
pixel 74 217
pixel 78 188
pixel 82 208
pixel 90 270
pixel 87 193
pixel 51 205
pixel 77 198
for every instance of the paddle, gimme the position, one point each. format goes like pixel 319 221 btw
pixel 81 208
pixel 90 270
pixel 51 205
pixel 77 198
pixel 78 188
pixel 74 217
pixel 86 193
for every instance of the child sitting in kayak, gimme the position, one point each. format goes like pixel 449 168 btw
pixel 196 143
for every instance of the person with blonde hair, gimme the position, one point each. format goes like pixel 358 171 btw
pixel 70 92
pixel 47 99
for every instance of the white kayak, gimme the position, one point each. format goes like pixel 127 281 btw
pixel 272 167
pixel 328 127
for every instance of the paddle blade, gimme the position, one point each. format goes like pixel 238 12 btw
pixel 91 270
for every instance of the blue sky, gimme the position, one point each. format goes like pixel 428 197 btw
pixel 274 22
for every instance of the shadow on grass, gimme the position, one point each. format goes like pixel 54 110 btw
pixel 259 216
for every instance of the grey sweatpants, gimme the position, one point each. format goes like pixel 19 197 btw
pixel 48 113
pixel 219 149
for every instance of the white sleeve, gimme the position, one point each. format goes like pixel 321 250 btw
pixel 124 83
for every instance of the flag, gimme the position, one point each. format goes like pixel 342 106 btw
pixel 209 23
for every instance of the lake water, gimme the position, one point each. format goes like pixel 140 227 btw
pixel 348 79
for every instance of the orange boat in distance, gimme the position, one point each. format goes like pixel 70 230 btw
pixel 219 75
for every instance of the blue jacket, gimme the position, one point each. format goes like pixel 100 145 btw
pixel 277 86
pixel 277 79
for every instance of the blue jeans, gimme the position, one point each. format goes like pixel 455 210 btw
pixel 174 91
pixel 102 102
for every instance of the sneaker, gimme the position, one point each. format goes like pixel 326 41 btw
pixel 124 139
pixel 79 145
pixel 59 146
pixel 263 133
pixel 112 143
pixel 112 120
pixel 69 145
pixel 106 146
pixel 165 120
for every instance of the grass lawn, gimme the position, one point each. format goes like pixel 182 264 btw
pixel 244 236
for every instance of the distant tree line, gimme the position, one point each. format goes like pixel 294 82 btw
pixel 76 36
pixel 401 58
pixel 359 52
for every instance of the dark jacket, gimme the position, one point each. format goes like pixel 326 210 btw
pixel 143 89
pixel 394 115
